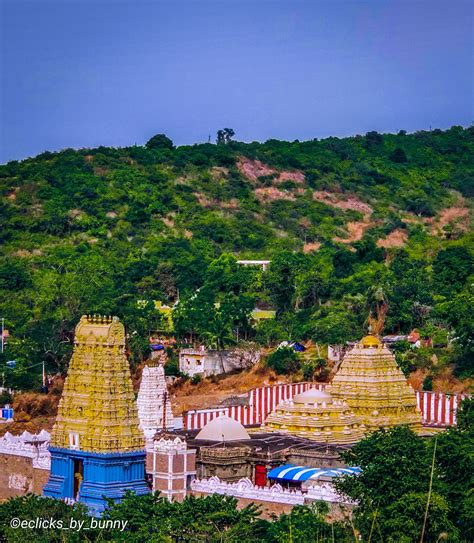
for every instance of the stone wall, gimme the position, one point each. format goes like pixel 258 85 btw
pixel 24 463
pixel 18 476
pixel 245 489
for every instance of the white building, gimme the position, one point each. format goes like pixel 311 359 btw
pixel 206 362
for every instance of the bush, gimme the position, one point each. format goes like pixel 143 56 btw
pixel 172 366
pixel 284 361
pixel 5 397
pixel 428 383
pixel 308 371
pixel 399 156
pixel 160 141
pixel 196 379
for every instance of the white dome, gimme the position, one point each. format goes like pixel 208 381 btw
pixel 223 428
pixel 313 395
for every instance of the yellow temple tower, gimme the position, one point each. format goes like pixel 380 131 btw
pixel 97 411
pixel 316 415
pixel 375 388
pixel 97 447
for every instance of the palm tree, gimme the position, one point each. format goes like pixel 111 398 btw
pixel 377 305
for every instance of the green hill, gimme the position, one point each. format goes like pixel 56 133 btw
pixel 96 230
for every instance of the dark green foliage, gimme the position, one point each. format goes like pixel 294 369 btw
pixel 372 139
pixel 308 524
pixel 31 507
pixel 459 315
pixel 224 136
pixel 399 156
pixel 160 142
pixel 284 360
pixel 451 267
pixel 428 383
pixel 392 490
pixel 14 275
pixel 152 518
pixel 455 461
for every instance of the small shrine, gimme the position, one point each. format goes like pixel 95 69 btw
pixel 374 387
pixel 317 416
pixel 154 405
pixel 97 447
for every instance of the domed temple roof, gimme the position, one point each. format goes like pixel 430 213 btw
pixel 370 341
pixel 223 428
pixel 316 415
pixel 312 396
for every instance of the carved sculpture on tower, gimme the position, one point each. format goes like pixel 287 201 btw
pixel 97 447
pixel 373 385
pixel 154 405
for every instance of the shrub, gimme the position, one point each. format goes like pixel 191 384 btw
pixel 196 379
pixel 428 383
pixel 284 361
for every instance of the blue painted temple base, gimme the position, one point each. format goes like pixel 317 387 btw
pixel 90 478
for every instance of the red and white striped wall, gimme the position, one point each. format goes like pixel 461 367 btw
pixel 261 402
pixel 437 409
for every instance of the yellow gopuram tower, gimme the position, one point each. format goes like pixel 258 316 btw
pixel 97 411
pixel 374 387
pixel 97 447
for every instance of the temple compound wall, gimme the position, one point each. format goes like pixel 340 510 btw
pixel 24 464
pixel 273 499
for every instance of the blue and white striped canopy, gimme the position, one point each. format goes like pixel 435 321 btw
pixel 289 472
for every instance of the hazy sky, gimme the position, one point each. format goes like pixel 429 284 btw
pixel 114 72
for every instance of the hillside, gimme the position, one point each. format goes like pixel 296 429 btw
pixel 97 230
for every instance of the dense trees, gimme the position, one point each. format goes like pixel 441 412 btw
pixel 212 519
pixel 107 230
pixel 160 141
pixel 402 473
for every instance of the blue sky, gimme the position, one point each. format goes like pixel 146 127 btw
pixel 80 73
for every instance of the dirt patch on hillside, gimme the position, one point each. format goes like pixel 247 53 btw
pixel 12 195
pixel 211 391
pixel 253 169
pixel 169 222
pixel 270 194
pixel 212 203
pixel 451 216
pixel 311 246
pixel 219 172
pixel 397 238
pixel 445 382
pixel 342 202
pixel 355 230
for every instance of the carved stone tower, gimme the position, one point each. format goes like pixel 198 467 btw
pixel 97 448
pixel 375 388
pixel 154 405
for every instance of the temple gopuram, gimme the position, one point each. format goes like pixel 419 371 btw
pixel 153 401
pixel 97 447
pixel 374 387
